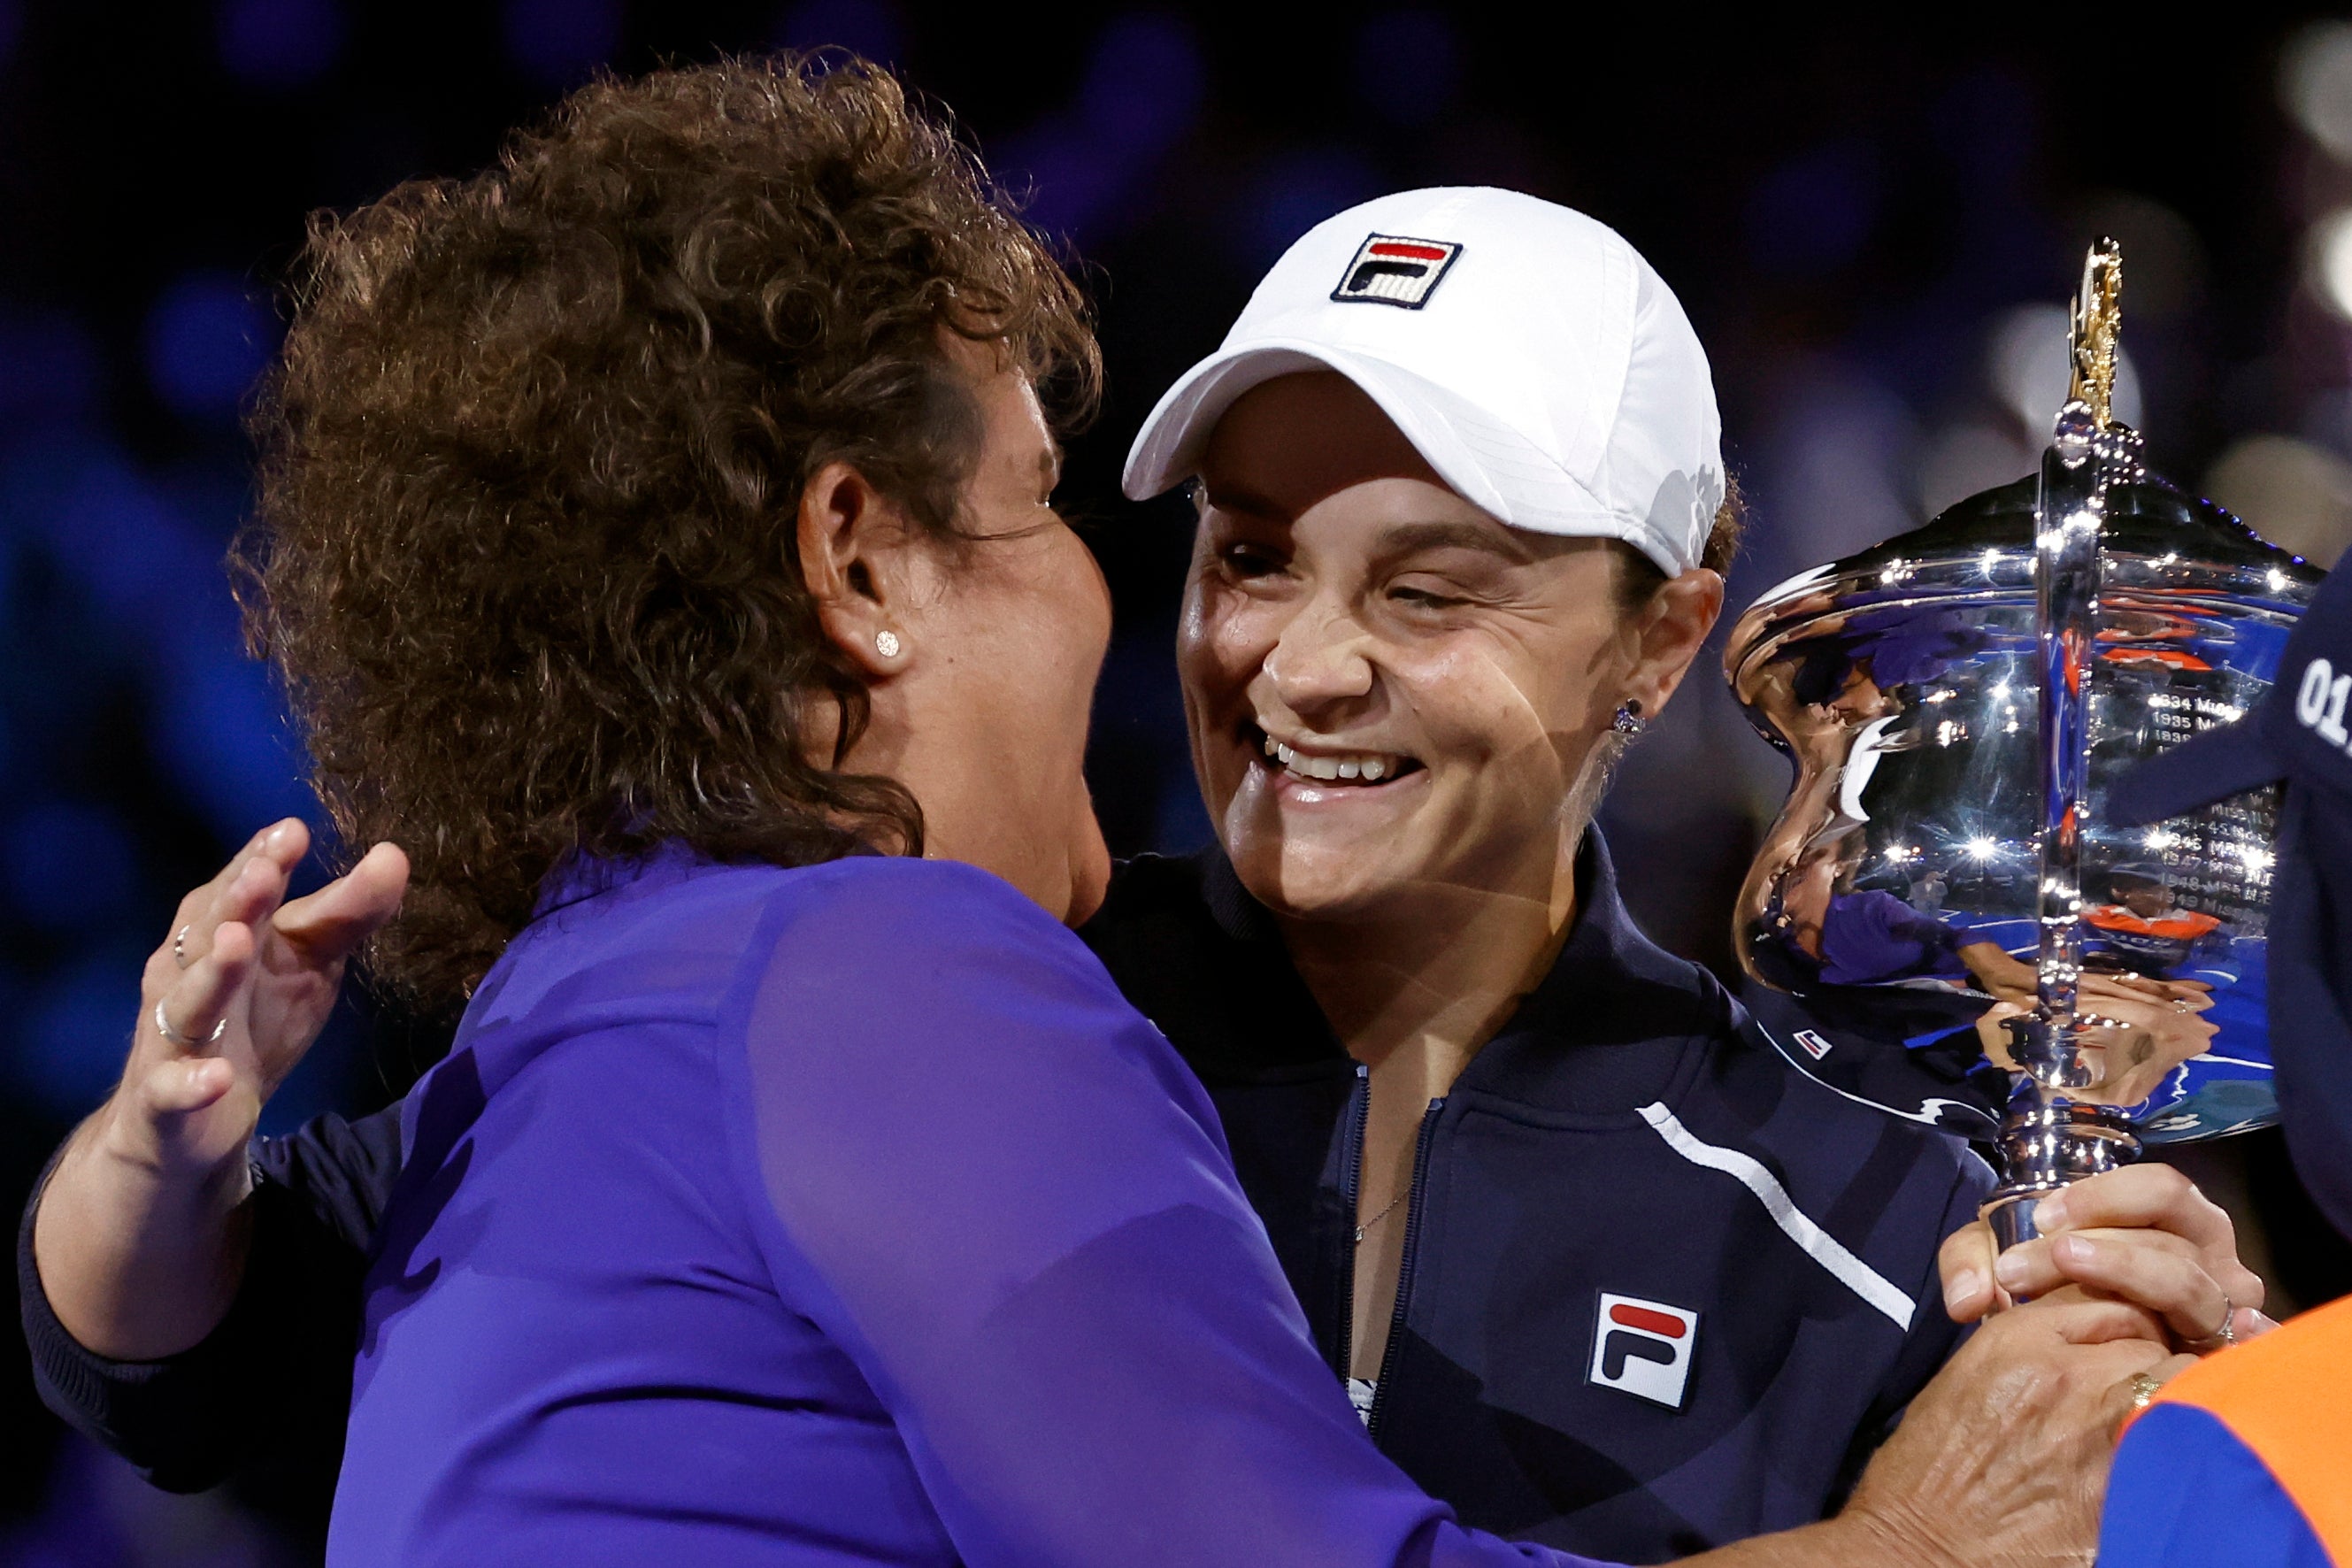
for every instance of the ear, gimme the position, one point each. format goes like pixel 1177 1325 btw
pixel 1671 628
pixel 853 552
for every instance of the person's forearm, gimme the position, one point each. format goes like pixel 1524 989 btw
pixel 139 1261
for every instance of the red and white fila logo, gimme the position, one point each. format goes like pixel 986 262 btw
pixel 1815 1047
pixel 1389 269
pixel 1643 1348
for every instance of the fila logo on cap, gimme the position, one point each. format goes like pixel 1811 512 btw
pixel 1815 1047
pixel 1643 1348
pixel 1391 269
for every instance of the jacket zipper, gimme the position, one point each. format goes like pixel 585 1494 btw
pixel 1405 1266
pixel 1352 1161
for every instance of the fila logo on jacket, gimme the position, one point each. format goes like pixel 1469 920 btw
pixel 1643 1348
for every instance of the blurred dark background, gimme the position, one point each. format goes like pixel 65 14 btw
pixel 1875 230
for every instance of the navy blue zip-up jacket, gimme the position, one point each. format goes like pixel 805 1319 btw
pixel 1660 1290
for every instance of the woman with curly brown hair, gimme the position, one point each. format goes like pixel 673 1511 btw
pixel 655 535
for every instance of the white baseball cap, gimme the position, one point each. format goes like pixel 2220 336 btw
pixel 1529 353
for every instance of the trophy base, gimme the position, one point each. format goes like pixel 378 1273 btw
pixel 2044 1148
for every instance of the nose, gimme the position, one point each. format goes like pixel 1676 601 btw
pixel 1320 658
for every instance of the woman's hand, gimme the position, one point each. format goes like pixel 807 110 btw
pixel 245 982
pixel 136 1238
pixel 2003 1457
pixel 2000 1461
pixel 2143 1235
pixel 2008 981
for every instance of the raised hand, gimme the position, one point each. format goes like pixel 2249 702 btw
pixel 243 982
pixel 137 1237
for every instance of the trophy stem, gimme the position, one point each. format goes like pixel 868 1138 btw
pixel 2050 1138
pixel 2066 584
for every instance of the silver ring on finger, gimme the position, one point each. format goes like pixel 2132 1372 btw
pixel 2222 1338
pixel 163 1027
pixel 180 946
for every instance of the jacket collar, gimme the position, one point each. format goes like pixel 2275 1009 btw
pixel 1605 1031
pixel 578 877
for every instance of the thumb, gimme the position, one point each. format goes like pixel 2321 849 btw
pixel 1965 1261
pixel 333 922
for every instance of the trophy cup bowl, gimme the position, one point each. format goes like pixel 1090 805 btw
pixel 1901 913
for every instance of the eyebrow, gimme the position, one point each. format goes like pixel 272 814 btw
pixel 1248 503
pixel 1402 539
pixel 1491 541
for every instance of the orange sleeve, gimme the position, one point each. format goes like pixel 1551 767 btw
pixel 2288 1397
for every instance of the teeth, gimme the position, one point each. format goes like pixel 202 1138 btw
pixel 1371 770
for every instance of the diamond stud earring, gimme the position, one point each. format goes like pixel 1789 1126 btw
pixel 1629 719
pixel 886 644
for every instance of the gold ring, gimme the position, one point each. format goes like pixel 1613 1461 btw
pixel 2143 1390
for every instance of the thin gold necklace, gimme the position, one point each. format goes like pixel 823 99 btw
pixel 1379 1216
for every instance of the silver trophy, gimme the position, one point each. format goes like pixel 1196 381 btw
pixel 1941 921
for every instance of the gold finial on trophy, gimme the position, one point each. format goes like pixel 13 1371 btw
pixel 2098 322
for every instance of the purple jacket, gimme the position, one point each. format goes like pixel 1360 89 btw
pixel 838 1214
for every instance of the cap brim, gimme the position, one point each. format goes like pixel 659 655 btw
pixel 1167 449
pixel 2227 760
pixel 1467 446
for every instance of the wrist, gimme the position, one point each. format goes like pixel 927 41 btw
pixel 136 1156
pixel 1858 1537
pixel 1894 1535
pixel 138 1259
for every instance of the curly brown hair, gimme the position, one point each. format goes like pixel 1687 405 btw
pixel 524 548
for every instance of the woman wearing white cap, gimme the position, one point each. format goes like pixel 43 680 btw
pixel 1599 1270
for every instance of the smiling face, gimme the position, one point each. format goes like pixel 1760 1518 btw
pixel 1392 695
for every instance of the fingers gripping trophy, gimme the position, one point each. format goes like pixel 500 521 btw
pixel 1944 920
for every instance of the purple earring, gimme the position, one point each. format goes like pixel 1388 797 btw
pixel 1629 719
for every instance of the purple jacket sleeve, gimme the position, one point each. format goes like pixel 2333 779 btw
pixel 1000 1191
